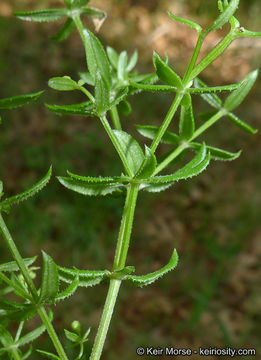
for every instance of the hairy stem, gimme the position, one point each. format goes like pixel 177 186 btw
pixel 115 118
pixel 41 311
pixel 119 263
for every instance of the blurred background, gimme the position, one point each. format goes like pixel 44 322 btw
pixel 213 298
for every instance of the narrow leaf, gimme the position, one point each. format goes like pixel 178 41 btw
pixel 133 61
pixel 31 336
pixel 16 101
pixel 150 278
pixel 102 93
pixel 131 150
pixel 155 188
pixel 187 122
pixel 119 98
pixel 50 280
pixel 122 65
pixel 113 57
pixel 212 99
pixel 7 203
pixel 190 23
pixel 165 73
pixel 241 124
pixel 238 95
pixel 154 88
pixel 98 180
pixel 12 265
pixel 87 78
pixel 214 89
pixel 216 153
pixel 48 355
pixel 224 17
pixel 84 109
pixel 193 168
pixel 89 189
pixel 125 107
pixel 148 165
pixel 86 278
pixel 72 336
pixel 151 131
pixel 96 56
pixel 42 15
pixel 64 83
pixel 69 291
pixel 65 31
pixel 28 353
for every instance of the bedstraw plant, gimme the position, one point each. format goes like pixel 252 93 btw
pixel 109 80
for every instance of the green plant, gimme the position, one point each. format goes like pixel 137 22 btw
pixel 112 79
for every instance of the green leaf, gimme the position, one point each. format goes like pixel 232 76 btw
pixel 64 83
pixel 102 93
pixel 12 265
pixel 89 189
pixel 16 101
pixel 31 336
pixel 190 23
pixel 122 65
pixel 193 168
pixel 7 203
pixel 246 33
pixel 48 355
pixel 205 90
pixel 153 88
pixel 50 280
pixel 150 278
pixel 237 96
pixel 86 277
pixel 113 57
pixel 79 3
pixel 131 150
pixel 24 313
pixel 155 188
pixel 148 165
pixel 224 17
pixel 87 78
pixel 125 107
pixel 216 153
pixel 165 73
pixel 42 15
pixel 187 122
pixel 133 62
pixel 84 109
pixel 151 131
pixel 69 291
pixel 5 337
pixel 96 57
pixel 99 180
pixel 65 31
pixel 241 124
pixel 119 97
pixel 212 99
pixel 72 336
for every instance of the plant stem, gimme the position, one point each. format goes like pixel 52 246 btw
pixel 115 118
pixel 119 263
pixel 169 158
pixel 194 57
pixel 166 121
pixel 41 311
pixel 118 148
pixel 214 54
pixel 184 145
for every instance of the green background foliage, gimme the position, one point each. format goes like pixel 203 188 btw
pixel 212 298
